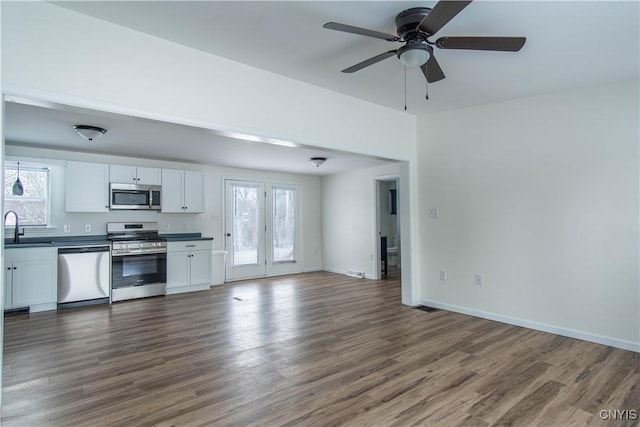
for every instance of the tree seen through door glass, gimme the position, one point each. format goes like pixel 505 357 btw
pixel 245 225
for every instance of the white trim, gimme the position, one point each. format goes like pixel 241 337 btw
pixel 571 333
pixel 311 269
pixel 334 270
pixel 344 272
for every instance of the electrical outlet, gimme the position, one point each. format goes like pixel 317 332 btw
pixel 67 228
pixel 166 227
pixel 87 228
pixel 186 226
pixel 443 275
pixel 434 213
pixel 479 280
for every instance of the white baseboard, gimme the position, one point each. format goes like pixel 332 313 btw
pixel 571 333
pixel 334 270
pixel 311 269
pixel 344 272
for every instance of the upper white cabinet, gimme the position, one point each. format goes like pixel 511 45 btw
pixel 123 174
pixel 182 191
pixel 86 187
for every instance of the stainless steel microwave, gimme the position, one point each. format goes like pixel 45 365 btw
pixel 134 197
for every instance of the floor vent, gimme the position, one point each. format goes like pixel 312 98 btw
pixel 353 273
pixel 425 308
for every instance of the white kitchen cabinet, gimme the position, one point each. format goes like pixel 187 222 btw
pixel 124 174
pixel 188 266
pixel 182 191
pixel 86 187
pixel 31 278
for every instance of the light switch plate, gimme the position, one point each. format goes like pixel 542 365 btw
pixel 67 228
pixel 479 280
pixel 443 275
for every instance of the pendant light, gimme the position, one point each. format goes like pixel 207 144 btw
pixel 17 189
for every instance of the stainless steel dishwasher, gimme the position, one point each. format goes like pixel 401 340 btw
pixel 84 275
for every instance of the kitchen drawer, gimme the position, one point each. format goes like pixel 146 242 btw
pixel 191 245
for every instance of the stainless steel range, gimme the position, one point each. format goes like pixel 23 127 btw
pixel 138 260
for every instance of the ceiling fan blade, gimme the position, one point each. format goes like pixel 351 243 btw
pixel 369 61
pixel 431 70
pixel 505 44
pixel 360 31
pixel 442 12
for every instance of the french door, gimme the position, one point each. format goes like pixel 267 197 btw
pixel 262 231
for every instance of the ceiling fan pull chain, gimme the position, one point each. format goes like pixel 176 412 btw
pixel 405 88
pixel 426 87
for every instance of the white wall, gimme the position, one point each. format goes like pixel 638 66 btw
pixel 68 57
pixel 348 220
pixel 210 223
pixel 541 196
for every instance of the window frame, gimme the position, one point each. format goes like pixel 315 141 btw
pixel 29 167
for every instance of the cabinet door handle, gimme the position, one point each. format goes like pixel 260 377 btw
pixel 15 268
pixel 8 268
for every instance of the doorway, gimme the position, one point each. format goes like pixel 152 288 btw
pixel 388 226
pixel 261 229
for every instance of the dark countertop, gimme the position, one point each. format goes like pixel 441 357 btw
pixel 181 237
pixel 56 241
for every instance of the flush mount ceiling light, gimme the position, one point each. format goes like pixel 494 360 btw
pixel 317 161
pixel 89 132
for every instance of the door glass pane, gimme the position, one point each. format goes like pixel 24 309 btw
pixel 284 224
pixel 245 225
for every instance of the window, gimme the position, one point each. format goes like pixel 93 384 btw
pixel 33 206
pixel 284 224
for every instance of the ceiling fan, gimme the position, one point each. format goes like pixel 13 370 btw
pixel 414 27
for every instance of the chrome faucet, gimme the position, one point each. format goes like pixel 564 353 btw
pixel 16 232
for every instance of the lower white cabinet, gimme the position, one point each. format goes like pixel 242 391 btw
pixel 30 278
pixel 188 266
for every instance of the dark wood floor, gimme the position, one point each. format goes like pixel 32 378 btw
pixel 316 348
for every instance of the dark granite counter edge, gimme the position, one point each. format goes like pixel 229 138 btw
pixel 180 237
pixel 53 241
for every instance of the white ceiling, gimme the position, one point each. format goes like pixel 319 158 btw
pixel 51 126
pixel 569 44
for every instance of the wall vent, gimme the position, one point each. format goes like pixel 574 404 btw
pixel 353 273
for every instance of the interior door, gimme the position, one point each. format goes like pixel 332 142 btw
pixel 245 229
pixel 262 229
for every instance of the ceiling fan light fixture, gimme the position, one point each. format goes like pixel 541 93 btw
pixel 317 161
pixel 89 132
pixel 413 55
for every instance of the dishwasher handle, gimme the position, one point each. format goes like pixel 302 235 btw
pixel 83 250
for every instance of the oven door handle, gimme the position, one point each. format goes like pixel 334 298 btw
pixel 160 251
